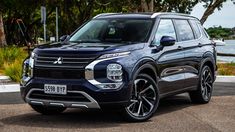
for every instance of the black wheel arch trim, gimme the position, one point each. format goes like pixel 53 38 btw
pixel 209 57
pixel 144 63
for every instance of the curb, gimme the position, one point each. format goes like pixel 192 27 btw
pixel 230 79
pixel 4 79
pixel 6 85
pixel 9 88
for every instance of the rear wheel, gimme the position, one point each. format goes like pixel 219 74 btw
pixel 48 110
pixel 205 87
pixel 144 99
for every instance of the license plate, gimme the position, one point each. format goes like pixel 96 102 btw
pixel 55 89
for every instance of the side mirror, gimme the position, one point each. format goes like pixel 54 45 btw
pixel 64 37
pixel 167 41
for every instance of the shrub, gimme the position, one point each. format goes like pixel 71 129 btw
pixel 13 70
pixel 226 68
pixel 11 59
pixel 10 54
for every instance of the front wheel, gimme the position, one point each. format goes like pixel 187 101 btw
pixel 205 87
pixel 144 99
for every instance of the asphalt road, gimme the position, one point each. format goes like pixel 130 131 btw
pixel 174 114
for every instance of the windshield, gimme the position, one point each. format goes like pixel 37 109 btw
pixel 114 30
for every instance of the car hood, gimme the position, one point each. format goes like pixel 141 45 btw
pixel 86 48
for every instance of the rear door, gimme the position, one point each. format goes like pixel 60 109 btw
pixel 191 47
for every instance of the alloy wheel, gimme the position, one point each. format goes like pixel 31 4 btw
pixel 143 98
pixel 206 84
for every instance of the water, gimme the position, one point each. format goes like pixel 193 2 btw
pixel 228 48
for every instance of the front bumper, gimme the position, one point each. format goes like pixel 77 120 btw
pixel 91 103
pixel 96 97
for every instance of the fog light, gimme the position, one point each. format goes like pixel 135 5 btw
pixel 114 72
pixel 109 85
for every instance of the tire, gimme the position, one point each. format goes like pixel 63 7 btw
pixel 144 99
pixel 205 87
pixel 48 110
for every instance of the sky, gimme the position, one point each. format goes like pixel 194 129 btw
pixel 224 17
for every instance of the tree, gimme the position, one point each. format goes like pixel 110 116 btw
pixel 219 32
pixel 2 33
pixel 73 13
pixel 210 6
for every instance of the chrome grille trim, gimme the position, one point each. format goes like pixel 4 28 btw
pixel 60 66
pixel 67 61
pixel 43 57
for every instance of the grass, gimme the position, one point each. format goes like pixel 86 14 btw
pixel 226 68
pixel 11 59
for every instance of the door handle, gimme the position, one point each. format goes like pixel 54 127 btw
pixel 199 45
pixel 180 48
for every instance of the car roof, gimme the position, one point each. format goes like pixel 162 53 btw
pixel 147 15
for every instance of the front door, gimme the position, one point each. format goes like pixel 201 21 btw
pixel 170 60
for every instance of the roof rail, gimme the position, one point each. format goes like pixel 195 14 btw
pixel 104 14
pixel 169 13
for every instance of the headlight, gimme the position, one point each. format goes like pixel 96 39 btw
pixel 28 67
pixel 31 60
pixel 27 72
pixel 31 64
pixel 114 72
pixel 114 55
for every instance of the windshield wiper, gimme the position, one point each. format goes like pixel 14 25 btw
pixel 85 41
pixel 130 42
pixel 120 41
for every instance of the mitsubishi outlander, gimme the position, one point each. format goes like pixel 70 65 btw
pixel 122 61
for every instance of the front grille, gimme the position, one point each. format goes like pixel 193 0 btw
pixel 58 73
pixel 71 66
pixel 72 97
pixel 66 61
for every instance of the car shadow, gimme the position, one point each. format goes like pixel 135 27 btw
pixel 173 103
pixel 76 118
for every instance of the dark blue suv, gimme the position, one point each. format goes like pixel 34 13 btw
pixel 122 61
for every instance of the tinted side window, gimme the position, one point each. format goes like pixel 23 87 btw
pixel 195 28
pixel 184 30
pixel 165 28
pixel 204 33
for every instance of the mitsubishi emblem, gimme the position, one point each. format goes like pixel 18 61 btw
pixel 58 61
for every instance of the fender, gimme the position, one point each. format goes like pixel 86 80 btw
pixel 142 64
pixel 208 57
